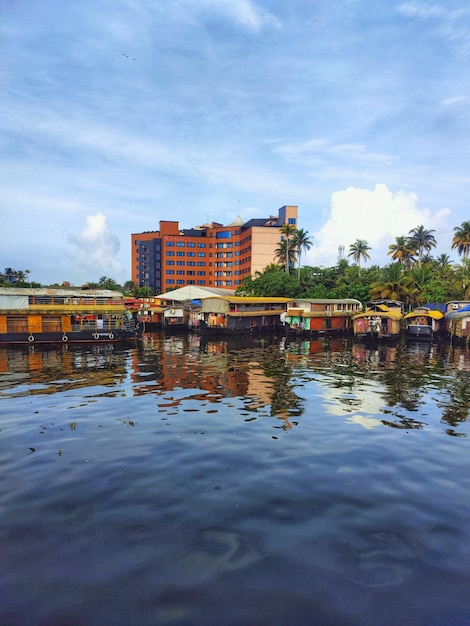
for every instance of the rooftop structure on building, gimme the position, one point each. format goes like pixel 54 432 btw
pixel 211 255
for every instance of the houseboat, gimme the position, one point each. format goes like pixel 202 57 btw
pixel 47 315
pixel 242 314
pixel 458 321
pixel 147 312
pixel 321 316
pixel 380 320
pixel 181 316
pixel 425 322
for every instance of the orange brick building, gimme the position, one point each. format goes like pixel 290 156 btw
pixel 211 255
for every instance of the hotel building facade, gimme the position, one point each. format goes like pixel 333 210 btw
pixel 211 255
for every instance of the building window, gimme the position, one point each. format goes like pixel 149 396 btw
pixel 180 272
pixel 180 244
pixel 170 262
pixel 292 220
pixel 203 254
pixel 170 281
pixel 225 234
pixel 201 263
pixel 191 263
pixel 180 263
pixel 191 254
pixel 180 282
pixel 179 253
pixel 191 244
pixel 170 253
pixel 170 271
pixel 170 243
pixel 201 245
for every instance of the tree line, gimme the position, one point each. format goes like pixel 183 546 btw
pixel 414 276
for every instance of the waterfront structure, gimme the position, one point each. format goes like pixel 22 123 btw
pixel 238 315
pixel 48 315
pixel 380 320
pixel 425 321
pixel 211 255
pixel 458 321
pixel 321 316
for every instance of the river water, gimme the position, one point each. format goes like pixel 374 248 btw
pixel 174 481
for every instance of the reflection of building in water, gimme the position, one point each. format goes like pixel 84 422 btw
pixel 61 367
pixel 220 367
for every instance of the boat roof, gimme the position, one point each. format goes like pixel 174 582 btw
pixel 192 292
pixel 67 292
pixel 437 315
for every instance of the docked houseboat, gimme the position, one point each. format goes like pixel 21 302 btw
pixel 147 312
pixel 47 315
pixel 380 320
pixel 425 322
pixel 181 316
pixel 458 321
pixel 321 316
pixel 242 315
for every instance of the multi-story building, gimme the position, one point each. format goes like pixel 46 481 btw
pixel 211 255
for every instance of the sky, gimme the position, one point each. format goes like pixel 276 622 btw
pixel 116 114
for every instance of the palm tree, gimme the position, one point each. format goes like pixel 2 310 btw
pixel 461 239
pixel 422 240
pixel 359 249
pixel 301 242
pixel 285 253
pixel 394 285
pixel 402 251
pixel 288 231
pixel 422 276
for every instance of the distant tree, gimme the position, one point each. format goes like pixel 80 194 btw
pixel 422 240
pixel 402 251
pixel 129 287
pixel 108 283
pixel 285 253
pixel 359 250
pixel 395 284
pixel 301 243
pixel 461 239
pixel 288 230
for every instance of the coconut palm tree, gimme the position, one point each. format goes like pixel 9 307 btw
pixel 394 285
pixel 422 240
pixel 461 239
pixel 402 251
pixel 301 242
pixel 288 230
pixel 285 253
pixel 359 249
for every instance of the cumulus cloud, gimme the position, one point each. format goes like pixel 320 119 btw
pixel 378 216
pixel 96 247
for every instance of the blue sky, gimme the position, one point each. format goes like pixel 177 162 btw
pixel 116 114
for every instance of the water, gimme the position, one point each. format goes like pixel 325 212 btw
pixel 180 482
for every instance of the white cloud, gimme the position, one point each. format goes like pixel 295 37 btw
pixel 96 247
pixel 377 215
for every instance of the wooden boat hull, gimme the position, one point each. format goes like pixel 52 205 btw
pixel 82 336
pixel 419 332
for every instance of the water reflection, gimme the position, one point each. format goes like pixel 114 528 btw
pixel 373 384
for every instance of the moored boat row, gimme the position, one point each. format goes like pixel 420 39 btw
pixel 49 315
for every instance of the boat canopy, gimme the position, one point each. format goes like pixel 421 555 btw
pixel 389 313
pixel 436 315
